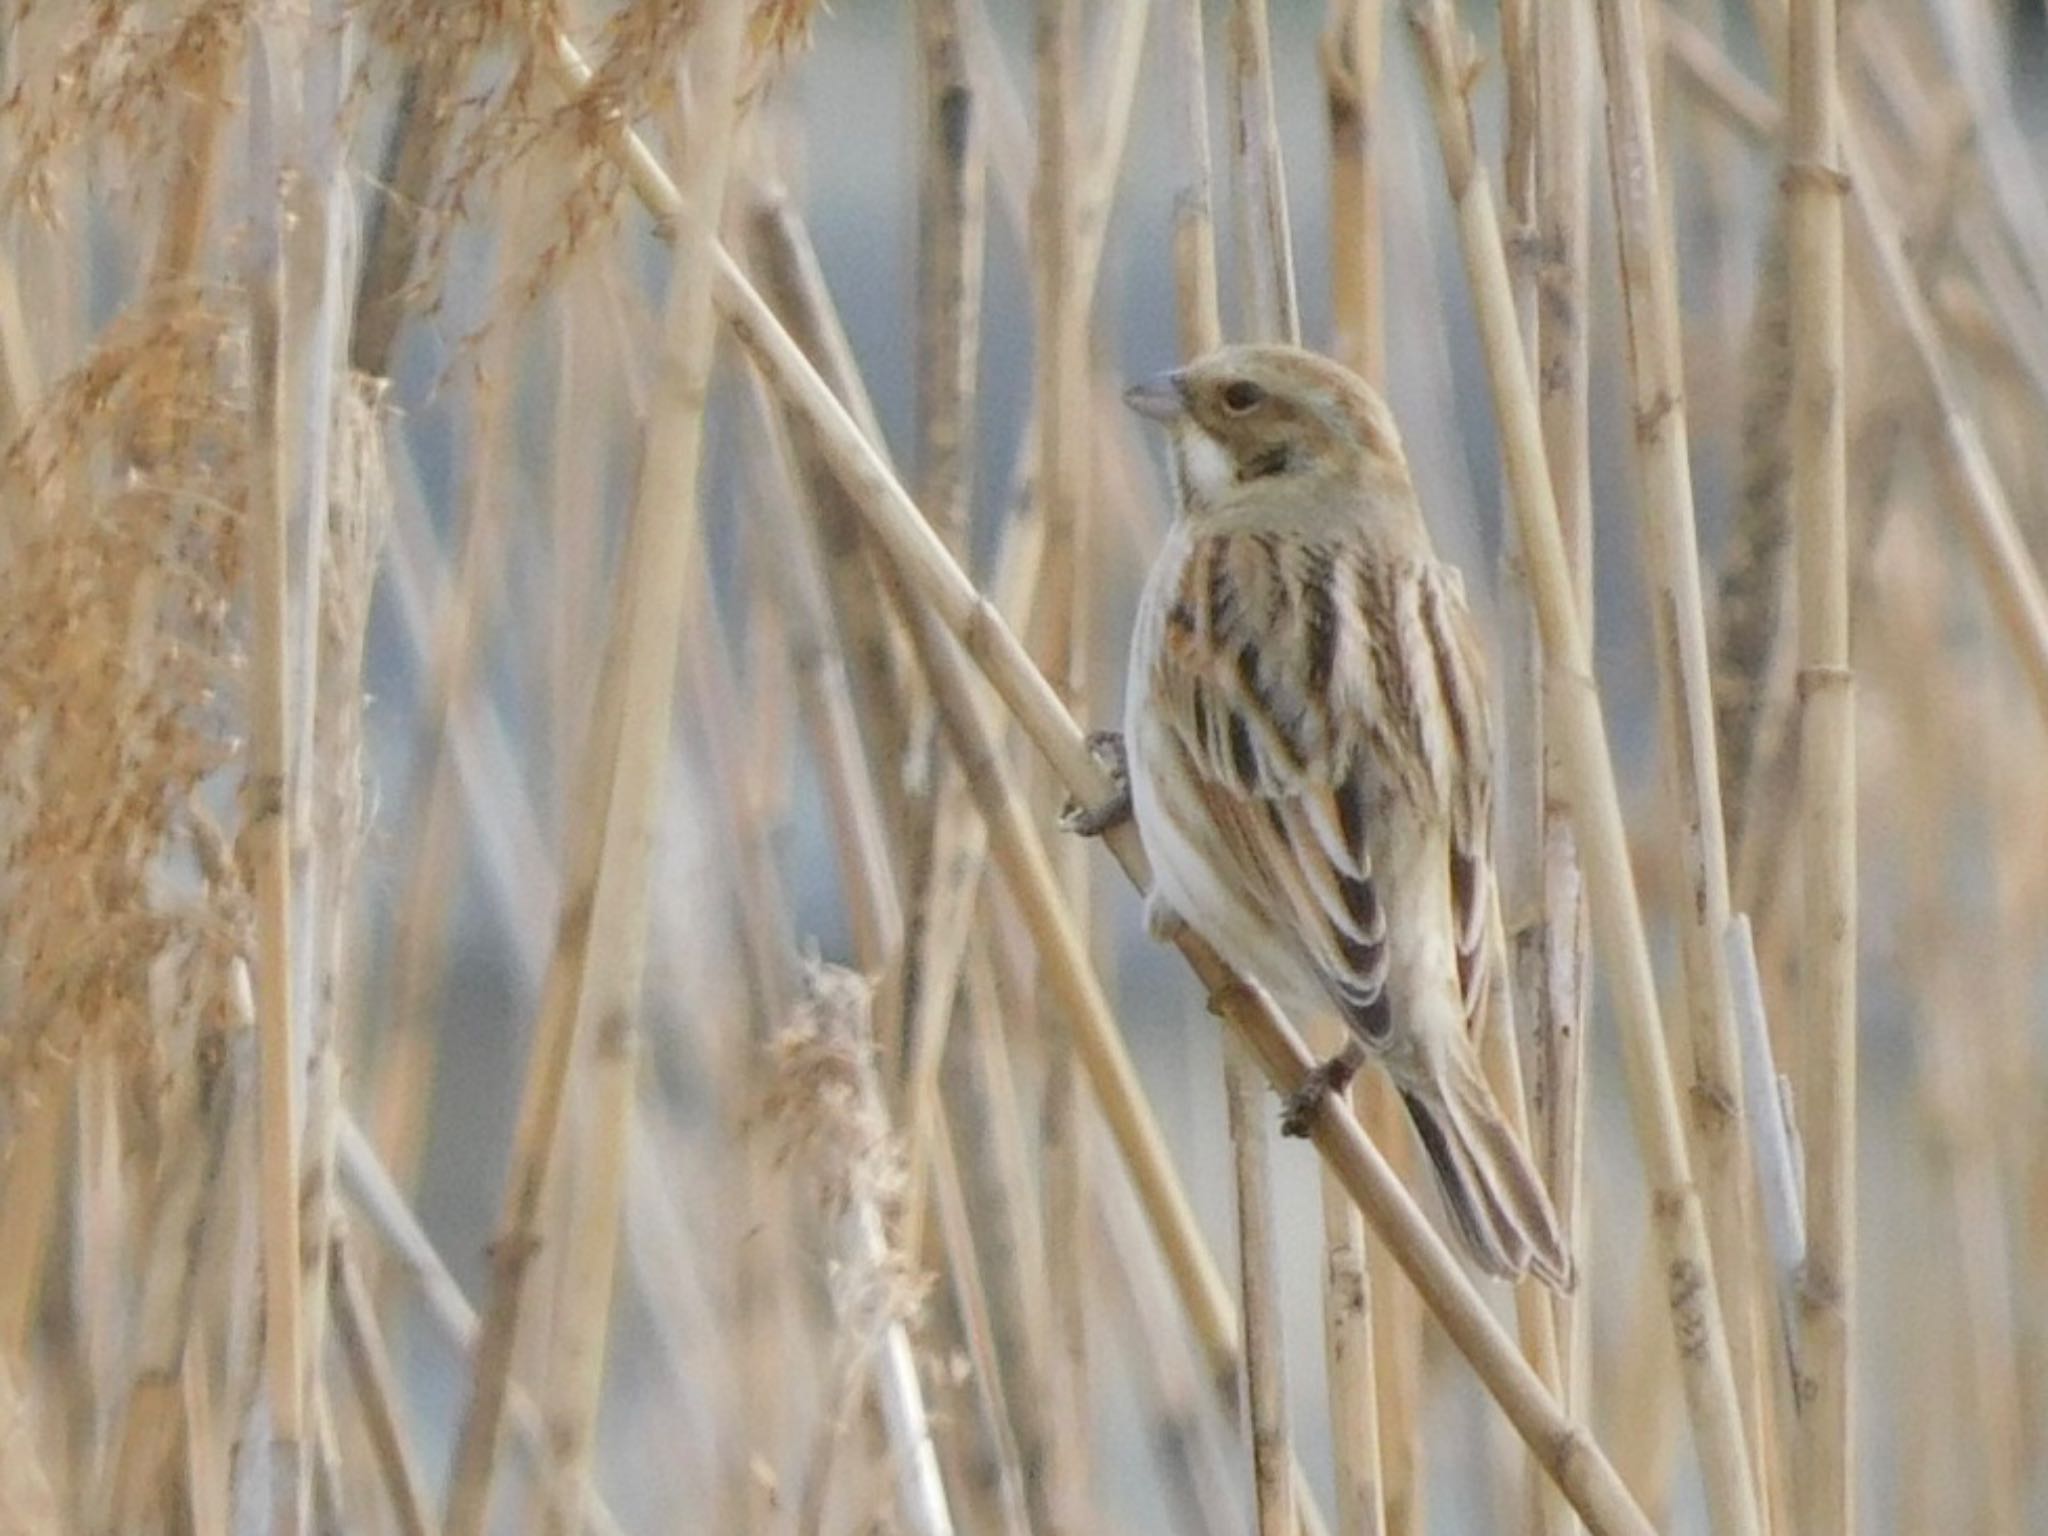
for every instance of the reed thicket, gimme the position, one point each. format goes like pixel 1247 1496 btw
pixel 556 565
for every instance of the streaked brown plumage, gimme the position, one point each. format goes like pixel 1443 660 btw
pixel 1309 754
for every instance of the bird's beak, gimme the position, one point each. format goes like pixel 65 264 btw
pixel 1161 397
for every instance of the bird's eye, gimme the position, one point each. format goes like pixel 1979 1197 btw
pixel 1241 395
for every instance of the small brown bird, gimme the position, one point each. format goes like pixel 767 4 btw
pixel 1309 757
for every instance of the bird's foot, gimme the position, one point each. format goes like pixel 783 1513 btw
pixel 1163 924
pixel 1299 1109
pixel 1107 747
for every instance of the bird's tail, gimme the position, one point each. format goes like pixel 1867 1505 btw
pixel 1490 1187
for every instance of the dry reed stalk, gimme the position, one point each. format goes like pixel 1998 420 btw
pixel 349 539
pixel 1933 702
pixel 826 699
pixel 997 1183
pixel 1580 731
pixel 28 1503
pixel 1989 1437
pixel 1182 1425
pixel 743 748
pixel 1518 161
pixel 224 1281
pixel 270 797
pixel 1400 1366
pixel 1063 1153
pixel 385 1212
pixel 338 505
pixel 594 976
pixel 205 1470
pixel 1352 50
pixel 1647 1430
pixel 779 252
pixel 105 1217
pixel 407 1065
pixel 29 1189
pixel 376 1391
pixel 330 1499
pixel 1112 80
pixel 412 159
pixel 1649 281
pixel 2011 578
pixel 709 1329
pixel 1824 1449
pixel 949 259
pixel 779 249
pixel 1979 64
pixel 541 1107
pixel 17 359
pixel 1535 1319
pixel 1714 82
pixel 1059 633
pixel 1930 1410
pixel 185 1216
pixel 1259 1285
pixel 951 234
pixel 953 902
pixel 1060 322
pixel 607 1000
pixel 957 902
pixel 1527 845
pixel 960 837
pixel 1553 1005
pixel 1194 208
pixel 2001 1256
pixel 1753 651
pixel 971 1299
pixel 1265 239
pixel 1350 57
pixel 593 338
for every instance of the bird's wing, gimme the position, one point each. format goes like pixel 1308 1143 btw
pixel 1251 678
pixel 1467 783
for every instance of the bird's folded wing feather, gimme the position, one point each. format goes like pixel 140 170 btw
pixel 1251 675
pixel 1461 680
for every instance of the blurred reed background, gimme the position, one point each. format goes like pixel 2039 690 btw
pixel 541 988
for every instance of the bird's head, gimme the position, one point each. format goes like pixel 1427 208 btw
pixel 1256 426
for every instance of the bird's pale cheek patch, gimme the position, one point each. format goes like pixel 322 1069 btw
pixel 1206 469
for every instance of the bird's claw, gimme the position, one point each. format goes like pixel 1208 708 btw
pixel 1299 1109
pixel 1163 923
pixel 1107 748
